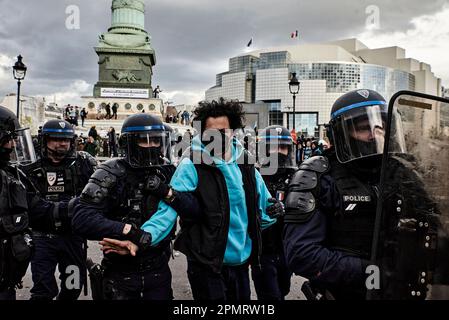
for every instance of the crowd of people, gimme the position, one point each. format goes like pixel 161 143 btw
pixel 309 147
pixel 238 212
pixel 72 114
pixel 111 111
pixel 182 117
pixel 98 146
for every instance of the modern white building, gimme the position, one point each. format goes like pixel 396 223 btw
pixel 325 71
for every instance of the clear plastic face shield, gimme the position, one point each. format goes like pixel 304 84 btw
pixel 275 151
pixel 23 149
pixel 359 131
pixel 147 149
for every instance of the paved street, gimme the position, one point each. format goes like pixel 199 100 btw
pixel 181 288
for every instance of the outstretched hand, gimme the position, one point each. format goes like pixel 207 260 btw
pixel 121 247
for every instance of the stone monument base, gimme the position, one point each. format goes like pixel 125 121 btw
pixel 126 107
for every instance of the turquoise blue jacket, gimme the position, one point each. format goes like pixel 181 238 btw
pixel 185 179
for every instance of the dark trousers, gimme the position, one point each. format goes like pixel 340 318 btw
pixel 231 284
pixel 64 251
pixel 151 284
pixel 113 150
pixel 8 294
pixel 272 280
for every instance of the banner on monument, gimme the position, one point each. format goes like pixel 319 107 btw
pixel 125 93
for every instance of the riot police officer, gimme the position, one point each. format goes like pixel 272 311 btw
pixel 15 245
pixel 276 154
pixel 20 206
pixel 60 175
pixel 331 201
pixel 119 198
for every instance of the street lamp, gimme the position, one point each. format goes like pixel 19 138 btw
pixel 293 85
pixel 19 72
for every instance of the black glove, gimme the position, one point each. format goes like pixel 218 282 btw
pixel 276 210
pixel 156 187
pixel 139 237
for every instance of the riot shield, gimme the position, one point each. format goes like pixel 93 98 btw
pixel 412 216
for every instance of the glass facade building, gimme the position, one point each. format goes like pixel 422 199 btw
pixel 263 76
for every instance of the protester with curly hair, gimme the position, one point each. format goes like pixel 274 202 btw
pixel 225 236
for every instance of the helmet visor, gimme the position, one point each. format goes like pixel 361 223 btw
pixel 146 149
pixel 275 150
pixel 23 152
pixel 360 132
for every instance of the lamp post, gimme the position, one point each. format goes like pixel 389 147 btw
pixel 293 86
pixel 19 72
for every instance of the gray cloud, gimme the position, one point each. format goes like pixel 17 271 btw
pixel 193 39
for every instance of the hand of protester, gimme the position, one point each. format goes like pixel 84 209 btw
pixel 156 187
pixel 121 247
pixel 276 210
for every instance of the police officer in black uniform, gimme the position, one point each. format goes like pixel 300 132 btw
pixel 331 201
pixel 119 198
pixel 276 157
pixel 20 205
pixel 15 244
pixel 60 175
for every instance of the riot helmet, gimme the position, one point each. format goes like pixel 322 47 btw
pixel 57 140
pixel 16 144
pixel 146 141
pixel 276 144
pixel 357 125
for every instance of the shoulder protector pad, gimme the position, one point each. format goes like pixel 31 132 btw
pixel 303 180
pixel 103 181
pixel 115 167
pixel 318 164
pixel 94 194
pixel 299 207
pixel 103 178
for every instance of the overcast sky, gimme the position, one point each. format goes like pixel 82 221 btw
pixel 194 39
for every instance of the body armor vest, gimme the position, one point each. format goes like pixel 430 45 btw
pixel 15 242
pixel 351 227
pixel 57 183
pixel 135 206
pixel 277 185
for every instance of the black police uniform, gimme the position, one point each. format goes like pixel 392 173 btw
pixel 116 196
pixel 272 279
pixel 19 206
pixel 55 245
pixel 15 239
pixel 331 209
pixel 118 193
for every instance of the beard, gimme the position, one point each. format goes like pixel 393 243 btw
pixel 58 154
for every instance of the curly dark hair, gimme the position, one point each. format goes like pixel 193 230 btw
pixel 222 108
